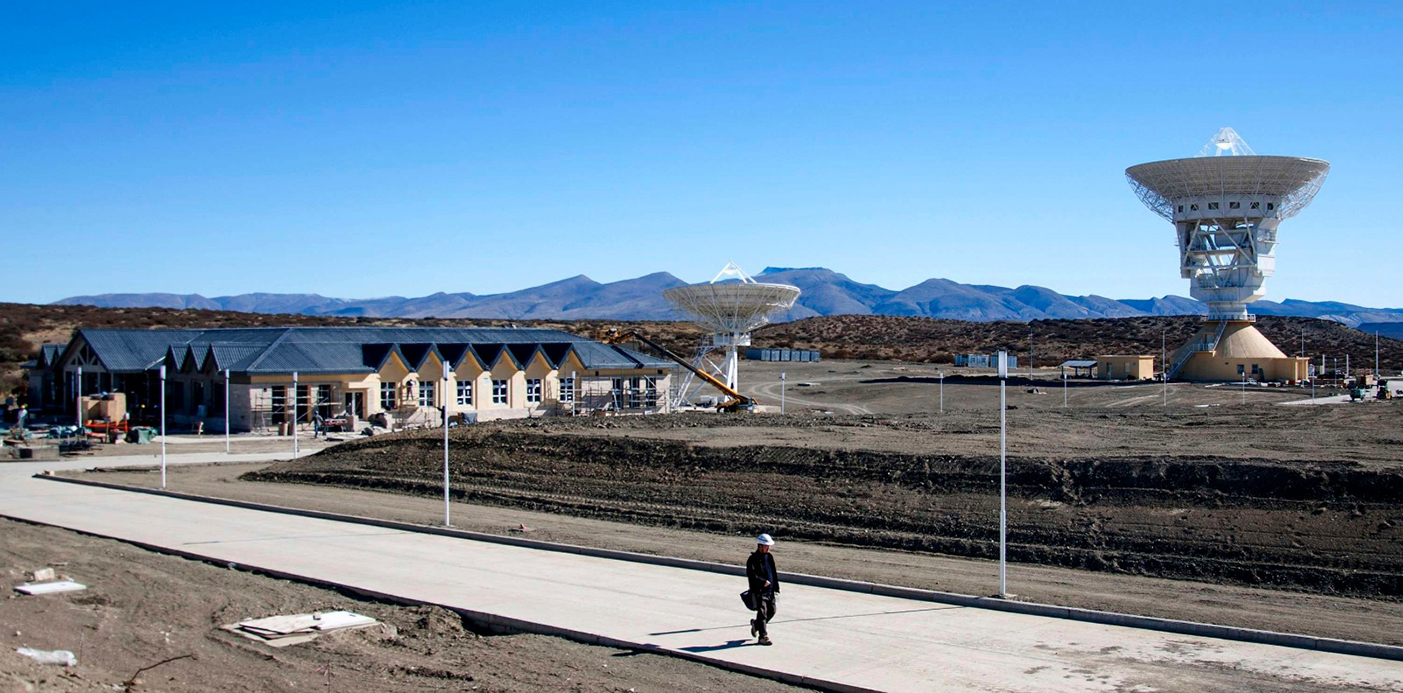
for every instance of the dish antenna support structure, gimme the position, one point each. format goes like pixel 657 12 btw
pixel 729 307
pixel 1226 204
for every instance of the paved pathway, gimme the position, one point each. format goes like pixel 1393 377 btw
pixel 864 641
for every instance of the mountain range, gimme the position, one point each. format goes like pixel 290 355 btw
pixel 825 292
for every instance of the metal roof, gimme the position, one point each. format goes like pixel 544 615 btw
pixel 131 351
pixel 275 350
pixel 1078 364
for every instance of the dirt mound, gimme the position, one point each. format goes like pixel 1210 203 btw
pixel 1322 526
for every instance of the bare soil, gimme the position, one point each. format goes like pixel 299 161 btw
pixel 1299 498
pixel 142 608
pixel 1054 341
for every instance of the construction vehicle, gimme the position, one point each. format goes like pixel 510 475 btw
pixel 733 402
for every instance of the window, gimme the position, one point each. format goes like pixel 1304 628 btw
pixel 1271 206
pixel 1181 209
pixel 1212 205
pixel 323 403
pixel 303 412
pixel 1256 205
pixel 1234 205
pixel 533 390
pixel 426 393
pixel 650 391
pixel 387 396
pixel 567 390
pixel 355 403
pixel 1193 208
pixel 465 393
pixel 499 392
pixel 635 396
pixel 278 403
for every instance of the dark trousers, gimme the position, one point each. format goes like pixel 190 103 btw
pixel 765 612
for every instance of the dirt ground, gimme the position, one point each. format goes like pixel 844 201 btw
pixel 1296 497
pixel 142 608
pixel 893 387
pixel 1270 609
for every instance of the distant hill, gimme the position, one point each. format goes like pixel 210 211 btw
pixel 1392 330
pixel 825 292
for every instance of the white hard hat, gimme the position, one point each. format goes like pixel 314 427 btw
pixel 764 540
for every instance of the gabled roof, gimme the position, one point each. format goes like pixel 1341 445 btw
pixel 233 357
pixel 278 350
pixel 523 354
pixel 48 354
pixel 131 351
pixel 556 353
pixel 490 354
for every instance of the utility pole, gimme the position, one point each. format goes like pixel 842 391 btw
pixel 1064 389
pixel 942 392
pixel 1030 351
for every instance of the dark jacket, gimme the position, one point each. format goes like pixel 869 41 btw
pixel 759 568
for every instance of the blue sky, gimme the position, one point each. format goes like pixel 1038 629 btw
pixel 355 150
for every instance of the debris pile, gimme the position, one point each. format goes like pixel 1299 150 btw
pixel 293 629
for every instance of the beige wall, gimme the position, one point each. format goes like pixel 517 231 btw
pixel 1125 367
pixel 1205 366
pixel 250 393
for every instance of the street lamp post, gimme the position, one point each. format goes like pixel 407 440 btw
pixel 1003 476
pixel 294 414
pixel 446 373
pixel 226 411
pixel 163 426
pixel 942 392
pixel 1163 367
pixel 781 392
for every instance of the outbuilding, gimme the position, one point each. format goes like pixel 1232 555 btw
pixel 1125 367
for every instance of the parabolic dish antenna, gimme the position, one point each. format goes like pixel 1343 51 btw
pixel 1227 205
pixel 730 307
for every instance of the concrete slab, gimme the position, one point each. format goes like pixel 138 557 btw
pixel 843 640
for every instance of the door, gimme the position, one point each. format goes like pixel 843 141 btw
pixel 355 404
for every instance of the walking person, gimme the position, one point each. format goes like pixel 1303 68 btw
pixel 764 586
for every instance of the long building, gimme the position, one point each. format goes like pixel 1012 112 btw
pixel 390 373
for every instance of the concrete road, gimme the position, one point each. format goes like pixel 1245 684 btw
pixel 862 641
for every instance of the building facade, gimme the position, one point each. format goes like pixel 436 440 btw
pixel 392 376
pixel 1125 367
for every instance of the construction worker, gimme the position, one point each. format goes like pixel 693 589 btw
pixel 764 586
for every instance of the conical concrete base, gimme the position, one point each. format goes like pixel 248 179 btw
pixel 1241 350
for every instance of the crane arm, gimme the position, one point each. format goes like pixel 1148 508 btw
pixel 736 401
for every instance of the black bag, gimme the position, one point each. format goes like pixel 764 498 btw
pixel 748 599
